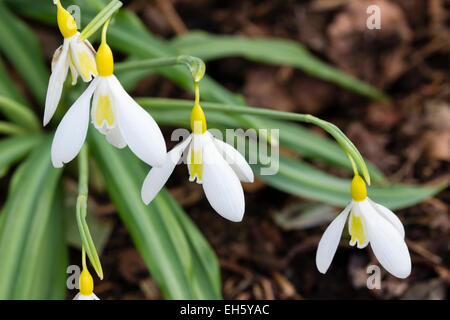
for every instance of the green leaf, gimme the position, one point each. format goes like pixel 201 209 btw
pixel 25 236
pixel 13 149
pixel 19 114
pixel 22 49
pixel 164 242
pixel 272 51
pixel 206 274
pixel 7 88
pixel 56 250
pixel 99 20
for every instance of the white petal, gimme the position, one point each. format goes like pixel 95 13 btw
pixel 387 244
pixel 157 177
pixel 114 137
pixel 74 73
pixel 390 216
pixel 330 240
pixel 138 128
pixel 87 68
pixel 221 185
pixel 92 296
pixel 236 161
pixel 56 55
pixel 72 129
pixel 60 66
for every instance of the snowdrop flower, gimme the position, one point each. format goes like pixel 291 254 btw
pixel 86 287
pixel 207 166
pixel 77 55
pixel 114 113
pixel 371 223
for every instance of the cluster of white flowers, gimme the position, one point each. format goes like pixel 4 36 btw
pixel 115 114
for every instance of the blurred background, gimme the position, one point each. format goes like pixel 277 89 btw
pixel 271 254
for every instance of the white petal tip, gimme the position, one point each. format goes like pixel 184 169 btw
pixel 57 164
pixel 321 266
pixel 145 199
pixel 233 217
pixel 402 273
pixel 322 271
pixel 236 219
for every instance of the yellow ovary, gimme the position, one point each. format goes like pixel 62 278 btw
pixel 87 64
pixel 66 22
pixel 198 120
pixel 105 60
pixel 104 112
pixel 357 230
pixel 358 189
pixel 196 165
pixel 86 283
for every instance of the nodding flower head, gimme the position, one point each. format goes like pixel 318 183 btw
pixel 66 22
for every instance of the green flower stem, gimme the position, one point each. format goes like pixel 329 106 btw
pixel 10 128
pixel 19 114
pixel 100 19
pixel 86 239
pixel 334 131
pixel 196 65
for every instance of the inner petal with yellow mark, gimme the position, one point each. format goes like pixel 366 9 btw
pixel 356 229
pixel 87 64
pixel 103 112
pixel 195 165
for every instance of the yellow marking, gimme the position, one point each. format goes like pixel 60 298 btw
pixel 358 189
pixel 86 283
pixel 196 165
pixel 104 111
pixel 87 64
pixel 105 60
pixel 66 22
pixel 357 230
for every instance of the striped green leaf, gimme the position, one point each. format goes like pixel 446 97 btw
pixel 271 51
pixel 30 241
pixel 22 49
pixel 13 149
